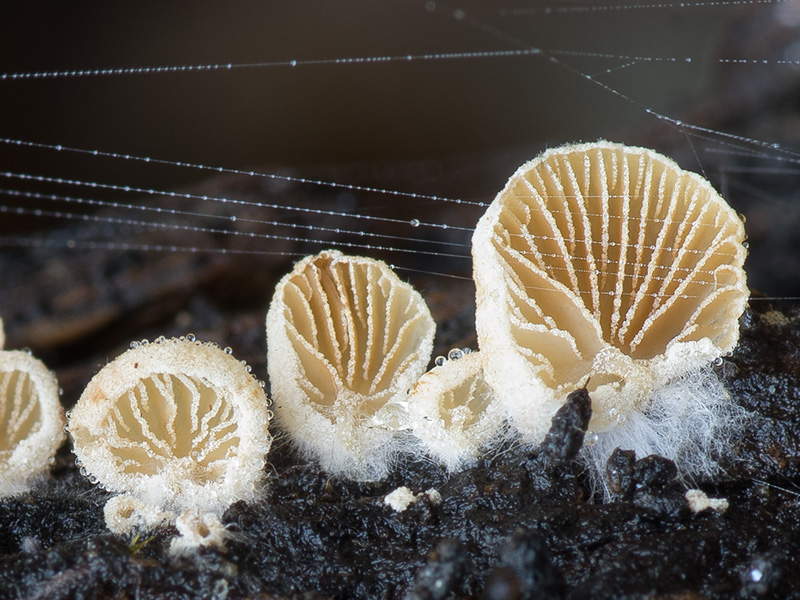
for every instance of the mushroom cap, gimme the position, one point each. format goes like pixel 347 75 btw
pixel 346 339
pixel 605 265
pixel 31 420
pixel 453 411
pixel 177 423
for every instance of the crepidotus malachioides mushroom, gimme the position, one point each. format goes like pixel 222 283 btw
pixel 179 429
pixel 609 266
pixel 346 339
pixel 31 419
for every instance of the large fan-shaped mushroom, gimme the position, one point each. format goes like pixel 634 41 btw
pixel 603 265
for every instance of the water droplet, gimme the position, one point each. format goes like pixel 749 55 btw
pixel 440 360
pixel 718 361
pixel 248 368
pixel 228 350
pixel 144 342
pixel 160 339
pixel 293 63
pixel 590 439
pixel 414 222
pixel 455 354
pixel 134 345
pixel 190 337
pixel 466 350
pixel 756 575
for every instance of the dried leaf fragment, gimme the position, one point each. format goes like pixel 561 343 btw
pixel 346 339
pixel 604 264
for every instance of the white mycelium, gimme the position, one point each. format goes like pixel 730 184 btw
pixel 453 410
pixel 346 339
pixel 609 266
pixel 31 420
pixel 174 426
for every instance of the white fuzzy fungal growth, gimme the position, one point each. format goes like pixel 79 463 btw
pixel 346 339
pixel 175 425
pixel 453 411
pixel 609 266
pixel 31 420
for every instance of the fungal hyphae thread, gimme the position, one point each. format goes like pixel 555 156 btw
pixel 493 26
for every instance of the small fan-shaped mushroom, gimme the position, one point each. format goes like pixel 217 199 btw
pixel 606 265
pixel 452 410
pixel 346 339
pixel 31 420
pixel 177 425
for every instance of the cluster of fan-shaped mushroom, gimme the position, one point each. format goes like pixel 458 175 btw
pixel 598 266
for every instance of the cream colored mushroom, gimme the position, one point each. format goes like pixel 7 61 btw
pixel 31 420
pixel 453 411
pixel 174 426
pixel 346 339
pixel 603 265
